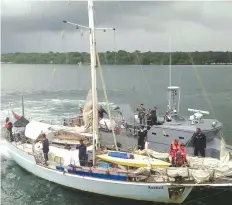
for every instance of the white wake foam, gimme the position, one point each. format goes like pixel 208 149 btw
pixel 4 149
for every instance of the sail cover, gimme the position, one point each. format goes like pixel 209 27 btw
pixel 88 112
pixel 35 128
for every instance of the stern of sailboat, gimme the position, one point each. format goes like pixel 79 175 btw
pixel 177 194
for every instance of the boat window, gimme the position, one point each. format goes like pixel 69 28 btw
pixel 178 118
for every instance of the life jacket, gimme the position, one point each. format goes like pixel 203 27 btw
pixel 183 153
pixel 174 148
pixel 7 125
pixel 178 159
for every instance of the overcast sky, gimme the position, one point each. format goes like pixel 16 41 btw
pixel 37 26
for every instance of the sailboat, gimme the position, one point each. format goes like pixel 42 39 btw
pixel 157 184
pixel 27 156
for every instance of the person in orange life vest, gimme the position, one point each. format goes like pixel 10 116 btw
pixel 183 152
pixel 180 158
pixel 9 127
pixel 175 146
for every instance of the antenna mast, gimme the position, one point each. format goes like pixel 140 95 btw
pixel 170 74
pixel 170 61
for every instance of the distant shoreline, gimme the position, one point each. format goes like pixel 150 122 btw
pixel 122 58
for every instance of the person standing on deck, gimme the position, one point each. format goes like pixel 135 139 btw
pixel 9 126
pixel 82 153
pixel 149 123
pixel 141 114
pixel 154 116
pixel 142 138
pixel 45 147
pixel 199 143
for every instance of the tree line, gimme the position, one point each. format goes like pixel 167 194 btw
pixel 121 58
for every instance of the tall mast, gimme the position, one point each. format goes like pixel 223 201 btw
pixel 93 72
pixel 91 28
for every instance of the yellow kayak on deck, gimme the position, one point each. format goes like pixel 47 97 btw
pixel 132 160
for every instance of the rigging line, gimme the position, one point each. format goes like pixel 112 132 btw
pixel 141 68
pixel 202 85
pixel 114 40
pixel 106 98
pixel 223 144
pixel 115 48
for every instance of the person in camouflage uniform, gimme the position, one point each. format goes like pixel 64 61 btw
pixel 141 114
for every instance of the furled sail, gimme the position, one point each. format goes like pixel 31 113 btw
pixel 88 112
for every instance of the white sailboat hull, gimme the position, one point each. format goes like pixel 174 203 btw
pixel 138 191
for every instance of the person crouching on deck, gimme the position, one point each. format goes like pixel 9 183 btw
pixel 175 146
pixel 82 153
pixel 181 156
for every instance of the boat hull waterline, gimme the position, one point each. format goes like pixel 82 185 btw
pixel 153 192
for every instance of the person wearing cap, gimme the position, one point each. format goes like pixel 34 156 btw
pixel 82 153
pixel 142 133
pixel 141 114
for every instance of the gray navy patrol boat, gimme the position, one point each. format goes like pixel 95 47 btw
pixel 169 127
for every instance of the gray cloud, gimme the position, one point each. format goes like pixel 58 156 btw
pixel 32 26
pixel 48 16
